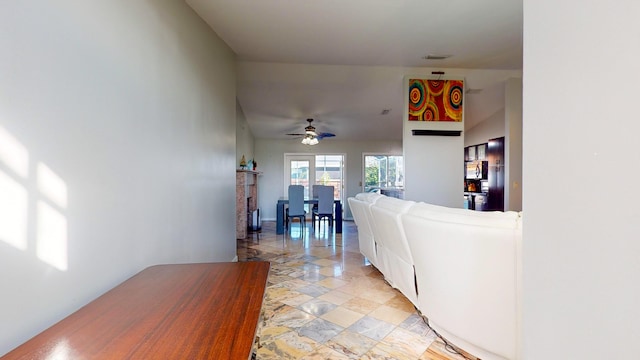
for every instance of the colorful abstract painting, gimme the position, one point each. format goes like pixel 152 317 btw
pixel 435 100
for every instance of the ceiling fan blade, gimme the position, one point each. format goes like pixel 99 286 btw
pixel 325 135
pixel 310 133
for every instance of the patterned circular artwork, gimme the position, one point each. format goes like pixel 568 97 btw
pixel 417 98
pixel 435 100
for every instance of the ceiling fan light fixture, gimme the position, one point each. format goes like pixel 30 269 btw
pixel 309 140
pixel 310 136
pixel 310 129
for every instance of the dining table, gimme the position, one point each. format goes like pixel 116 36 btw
pixel 312 201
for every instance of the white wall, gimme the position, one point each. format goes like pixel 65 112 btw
pixel 244 137
pixel 270 157
pixel 433 169
pixel 581 248
pixel 117 151
pixel 513 145
pixel 490 128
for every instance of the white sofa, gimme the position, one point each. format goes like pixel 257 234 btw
pixel 360 206
pixel 466 265
pixel 394 255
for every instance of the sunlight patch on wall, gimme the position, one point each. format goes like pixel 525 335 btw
pixel 13 154
pixel 14 168
pixel 13 212
pixel 52 236
pixel 50 195
pixel 52 186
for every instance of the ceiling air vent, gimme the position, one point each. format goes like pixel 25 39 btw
pixel 436 57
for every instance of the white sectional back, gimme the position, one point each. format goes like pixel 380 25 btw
pixel 369 197
pixel 394 255
pixel 467 269
pixel 361 211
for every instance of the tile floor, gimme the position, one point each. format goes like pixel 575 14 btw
pixel 324 300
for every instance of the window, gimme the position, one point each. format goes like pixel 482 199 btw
pixel 329 172
pixel 384 174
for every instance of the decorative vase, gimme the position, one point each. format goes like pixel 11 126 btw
pixel 243 163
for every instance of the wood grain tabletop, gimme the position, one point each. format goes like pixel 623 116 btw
pixel 185 311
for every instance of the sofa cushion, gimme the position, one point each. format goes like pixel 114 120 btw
pixel 362 217
pixel 507 220
pixel 395 205
pixel 369 197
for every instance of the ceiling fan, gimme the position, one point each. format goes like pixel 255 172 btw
pixel 310 136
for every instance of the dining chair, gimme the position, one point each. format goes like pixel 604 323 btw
pixel 314 195
pixel 325 205
pixel 296 205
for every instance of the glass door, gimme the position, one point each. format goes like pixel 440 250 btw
pixel 329 171
pixel 300 170
pixel 319 169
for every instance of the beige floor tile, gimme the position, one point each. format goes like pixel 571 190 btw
pixel 296 300
pixel 342 316
pixel 269 334
pixel 378 296
pixel 331 270
pixel 336 297
pixel 332 283
pixel 290 317
pixel 325 262
pixel 292 284
pixel 324 353
pixel 361 305
pixel 351 344
pixel 401 303
pixel 403 342
pixel 390 314
pixel 291 346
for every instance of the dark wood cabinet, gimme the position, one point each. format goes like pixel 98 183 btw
pixel 475 152
pixel 495 155
pixel 490 186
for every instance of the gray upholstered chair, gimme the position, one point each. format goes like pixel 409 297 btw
pixel 296 205
pixel 325 205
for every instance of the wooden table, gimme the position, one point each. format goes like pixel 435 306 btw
pixel 189 311
pixel 280 213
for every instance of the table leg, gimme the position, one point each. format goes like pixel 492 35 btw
pixel 338 217
pixel 280 218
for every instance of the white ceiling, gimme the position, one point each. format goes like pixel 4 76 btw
pixel 342 62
